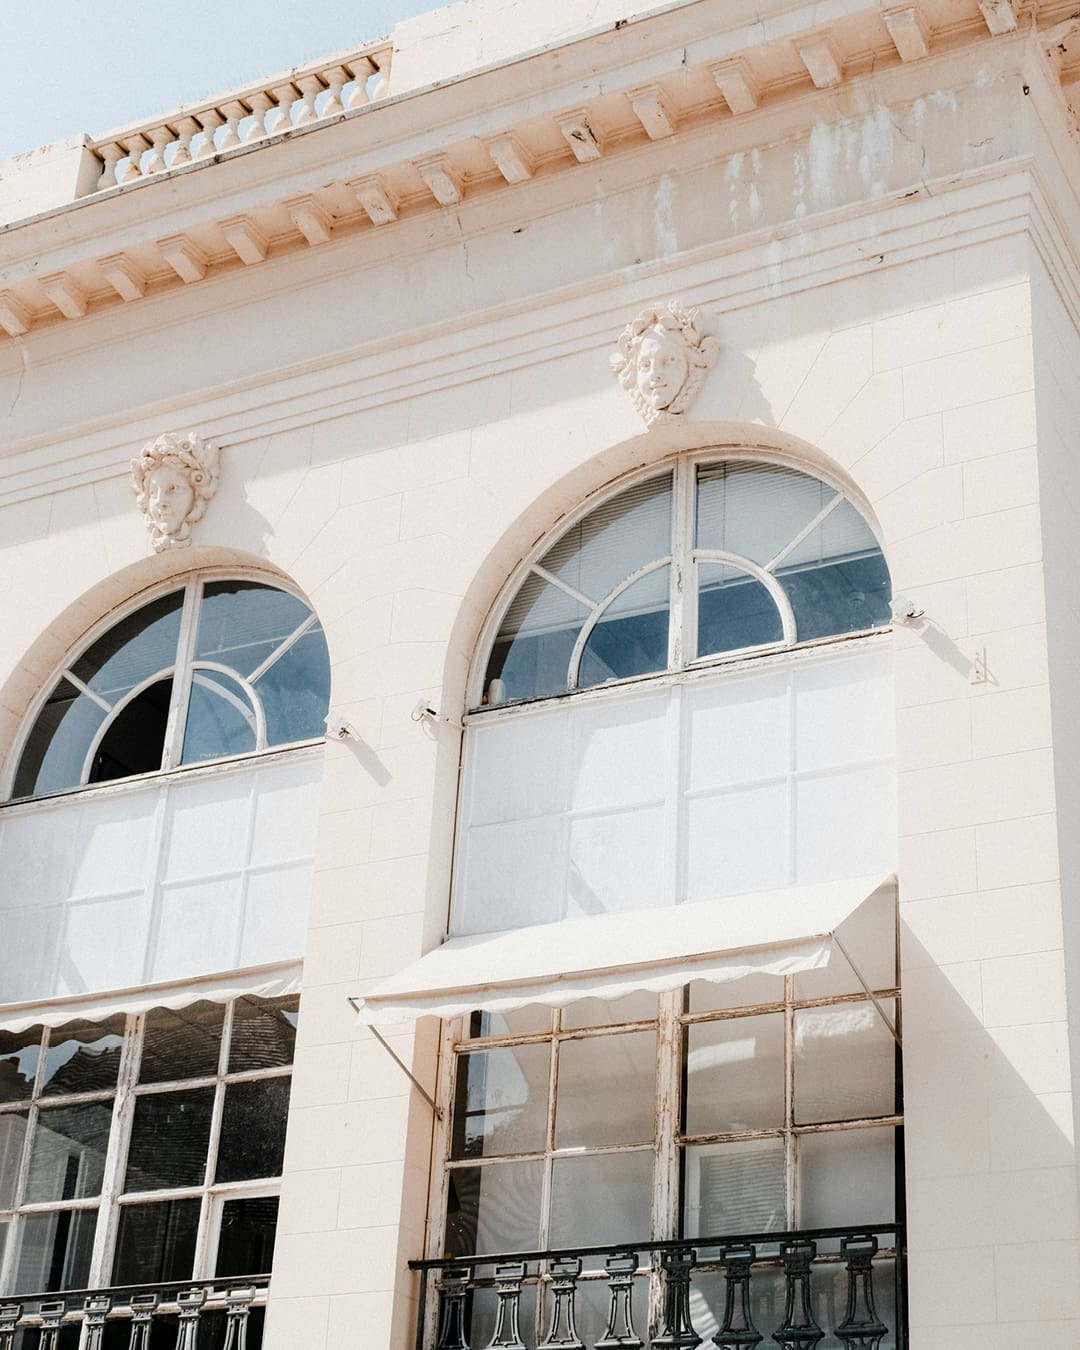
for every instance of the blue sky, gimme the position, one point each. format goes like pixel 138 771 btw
pixel 68 66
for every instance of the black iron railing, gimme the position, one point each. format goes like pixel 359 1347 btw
pixel 843 1286
pixel 222 1313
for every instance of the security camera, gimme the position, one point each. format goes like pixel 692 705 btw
pixel 904 610
pixel 338 726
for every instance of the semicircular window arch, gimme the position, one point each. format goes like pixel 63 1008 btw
pixel 706 561
pixel 211 669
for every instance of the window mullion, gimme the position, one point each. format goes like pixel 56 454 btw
pixel 665 1220
pixel 683 594
pixel 101 1258
pixel 185 655
pixel 791 1159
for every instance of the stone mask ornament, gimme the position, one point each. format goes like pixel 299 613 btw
pixel 662 358
pixel 175 477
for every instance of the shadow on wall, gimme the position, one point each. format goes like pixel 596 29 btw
pixel 984 1153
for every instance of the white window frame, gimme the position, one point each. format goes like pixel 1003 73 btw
pixel 108 1204
pixel 182 674
pixel 683 559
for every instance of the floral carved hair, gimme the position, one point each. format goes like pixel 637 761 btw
pixel 197 460
pixel 683 326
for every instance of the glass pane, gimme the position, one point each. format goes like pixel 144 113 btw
pixel 295 691
pixel 501 1101
pixel 12 1139
pixel 19 1051
pixel 845 1063
pixel 493 1209
pixel 839 597
pixel 220 718
pixel 600 1199
pixel 847 1178
pixel 842 534
pixel 607 1090
pixel 67 1157
pixel 530 657
pixel 754 510
pixel 134 649
pixel 705 996
pixel 83 1057
pixel 242 622
pixel 135 739
pixel 734 611
pixel 55 750
pixel 622 535
pixel 598 1012
pixel 253 1130
pixel 735 1189
pixel 55 1251
pixel 517 1022
pixel 181 1043
pixel 631 637
pixel 246 1241
pixel 735 1075
pixel 263 1033
pixel 156 1242
pixel 481 1312
pixel 169 1137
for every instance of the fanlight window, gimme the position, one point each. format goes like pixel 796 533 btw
pixel 704 562
pixel 208 671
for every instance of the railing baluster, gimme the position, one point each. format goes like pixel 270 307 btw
pixel 191 1303
pixel 452 1288
pixel 678 1332
pixel 237 1310
pixel 95 1311
pixel 620 1324
pixel 142 1310
pixel 563 1329
pixel 508 1280
pixel 800 1331
pixel 738 1331
pixel 861 1328
pixel 9 1321
pixel 52 1314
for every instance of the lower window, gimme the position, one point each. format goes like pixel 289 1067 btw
pixel 143 1150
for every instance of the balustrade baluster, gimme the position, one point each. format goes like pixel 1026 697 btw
pixel 260 105
pixel 159 139
pixel 111 156
pixel 563 1329
pixel 738 1331
pixel 52 1314
pixel 235 112
pixel 800 1331
pixel 508 1280
pixel 135 147
pixel 142 1310
pixel 285 95
pixel 362 70
pixel 191 1304
pixel 620 1324
pixel 678 1330
pixel 453 1288
pixel 237 1311
pixel 209 121
pixel 310 86
pixel 95 1311
pixel 186 129
pixel 861 1328
pixel 335 79
pixel 9 1322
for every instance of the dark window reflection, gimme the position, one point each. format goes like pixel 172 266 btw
pixel 253 1130
pixel 83 1057
pixel 169 1139
pixel 156 1242
pixel 55 1251
pixel 181 1043
pixel 246 1244
pixel 263 1033
pixel 135 740
pixel 19 1052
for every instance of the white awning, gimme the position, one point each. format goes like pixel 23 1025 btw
pixel 271 981
pixel 610 955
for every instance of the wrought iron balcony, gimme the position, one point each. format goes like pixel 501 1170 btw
pixel 795 1289
pixel 220 1315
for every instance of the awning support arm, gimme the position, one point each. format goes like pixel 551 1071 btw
pixel 869 992
pixel 402 1065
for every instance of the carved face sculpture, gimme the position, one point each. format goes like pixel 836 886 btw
pixel 662 368
pixel 170 497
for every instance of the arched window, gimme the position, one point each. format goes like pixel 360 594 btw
pixel 711 560
pixel 211 669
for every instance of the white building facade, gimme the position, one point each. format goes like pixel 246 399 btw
pixel 537 703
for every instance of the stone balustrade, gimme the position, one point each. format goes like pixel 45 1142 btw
pixel 199 131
